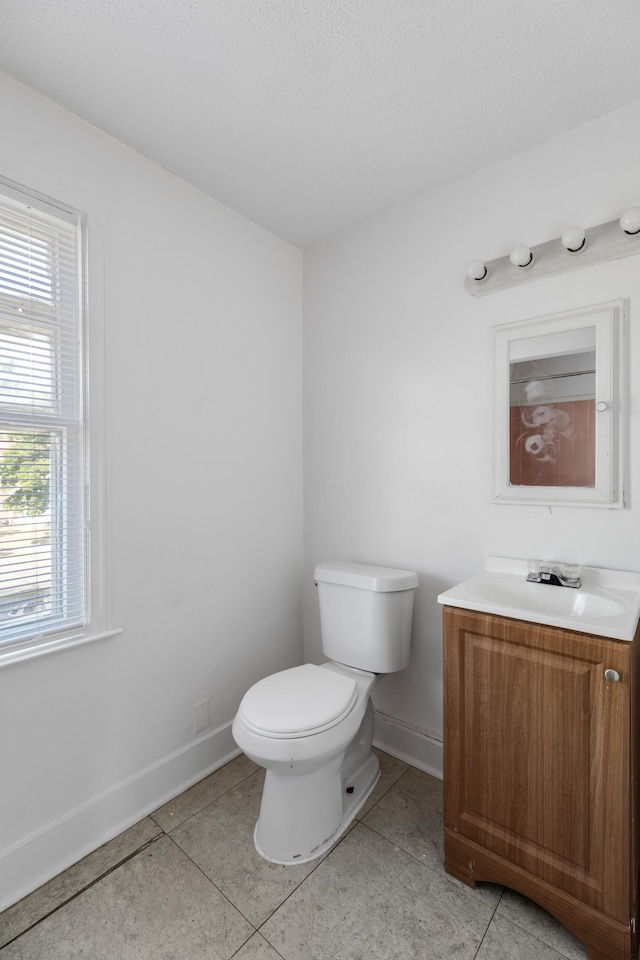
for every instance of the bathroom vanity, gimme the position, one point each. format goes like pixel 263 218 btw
pixel 541 750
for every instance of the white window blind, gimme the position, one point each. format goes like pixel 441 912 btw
pixel 42 479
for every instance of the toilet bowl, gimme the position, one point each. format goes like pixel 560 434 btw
pixel 311 728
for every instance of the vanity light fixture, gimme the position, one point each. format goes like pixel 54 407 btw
pixel 577 247
pixel 574 239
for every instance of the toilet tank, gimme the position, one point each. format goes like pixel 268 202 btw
pixel 365 614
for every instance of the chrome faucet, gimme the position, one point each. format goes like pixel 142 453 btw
pixel 557 574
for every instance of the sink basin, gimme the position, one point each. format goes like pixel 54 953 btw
pixel 607 604
pixel 562 601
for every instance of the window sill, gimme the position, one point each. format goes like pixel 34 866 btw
pixel 53 645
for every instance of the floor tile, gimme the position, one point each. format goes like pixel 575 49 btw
pixel 220 840
pixel 157 905
pixel 369 899
pixel 410 815
pixel 507 941
pixel 57 891
pixel 381 893
pixel 541 924
pixel 391 770
pixel 256 949
pixel 179 809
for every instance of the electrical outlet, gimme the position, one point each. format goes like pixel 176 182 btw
pixel 201 716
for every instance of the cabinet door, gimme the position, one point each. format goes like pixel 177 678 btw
pixel 537 752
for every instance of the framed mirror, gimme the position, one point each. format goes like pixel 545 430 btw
pixel 558 408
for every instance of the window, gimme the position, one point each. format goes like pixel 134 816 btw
pixel 44 572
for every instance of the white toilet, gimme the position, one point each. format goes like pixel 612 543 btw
pixel 311 727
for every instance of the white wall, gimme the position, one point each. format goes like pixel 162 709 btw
pixel 398 391
pixel 203 403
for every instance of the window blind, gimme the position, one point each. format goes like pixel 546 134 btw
pixel 42 508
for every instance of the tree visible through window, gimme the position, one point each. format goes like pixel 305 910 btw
pixel 25 470
pixel 42 509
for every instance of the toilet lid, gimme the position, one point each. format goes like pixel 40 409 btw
pixel 298 702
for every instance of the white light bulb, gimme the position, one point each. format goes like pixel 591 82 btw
pixel 521 256
pixel 630 220
pixel 476 270
pixel 573 239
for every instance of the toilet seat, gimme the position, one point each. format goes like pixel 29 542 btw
pixel 299 702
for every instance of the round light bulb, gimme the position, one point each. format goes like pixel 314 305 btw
pixel 521 256
pixel 573 239
pixel 476 270
pixel 630 220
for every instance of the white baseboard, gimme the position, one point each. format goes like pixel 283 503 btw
pixel 41 856
pixel 406 742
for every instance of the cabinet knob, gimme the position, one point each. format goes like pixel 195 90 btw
pixel 601 406
pixel 612 676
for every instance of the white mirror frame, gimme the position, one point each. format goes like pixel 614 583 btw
pixel 610 322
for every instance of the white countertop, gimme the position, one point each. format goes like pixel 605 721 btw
pixel 607 604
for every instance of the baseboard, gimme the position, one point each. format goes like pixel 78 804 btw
pixel 409 743
pixel 41 856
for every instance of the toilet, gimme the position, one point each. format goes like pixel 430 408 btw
pixel 311 727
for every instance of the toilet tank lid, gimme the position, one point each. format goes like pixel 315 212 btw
pixel 366 576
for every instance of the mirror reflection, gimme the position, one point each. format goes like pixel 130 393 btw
pixel 552 440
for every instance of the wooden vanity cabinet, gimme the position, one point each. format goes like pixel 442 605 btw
pixel 541 771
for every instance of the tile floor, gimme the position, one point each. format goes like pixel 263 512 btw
pixel 186 884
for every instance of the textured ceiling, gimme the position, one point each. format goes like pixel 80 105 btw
pixel 310 115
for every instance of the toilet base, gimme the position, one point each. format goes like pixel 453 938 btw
pixel 302 817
